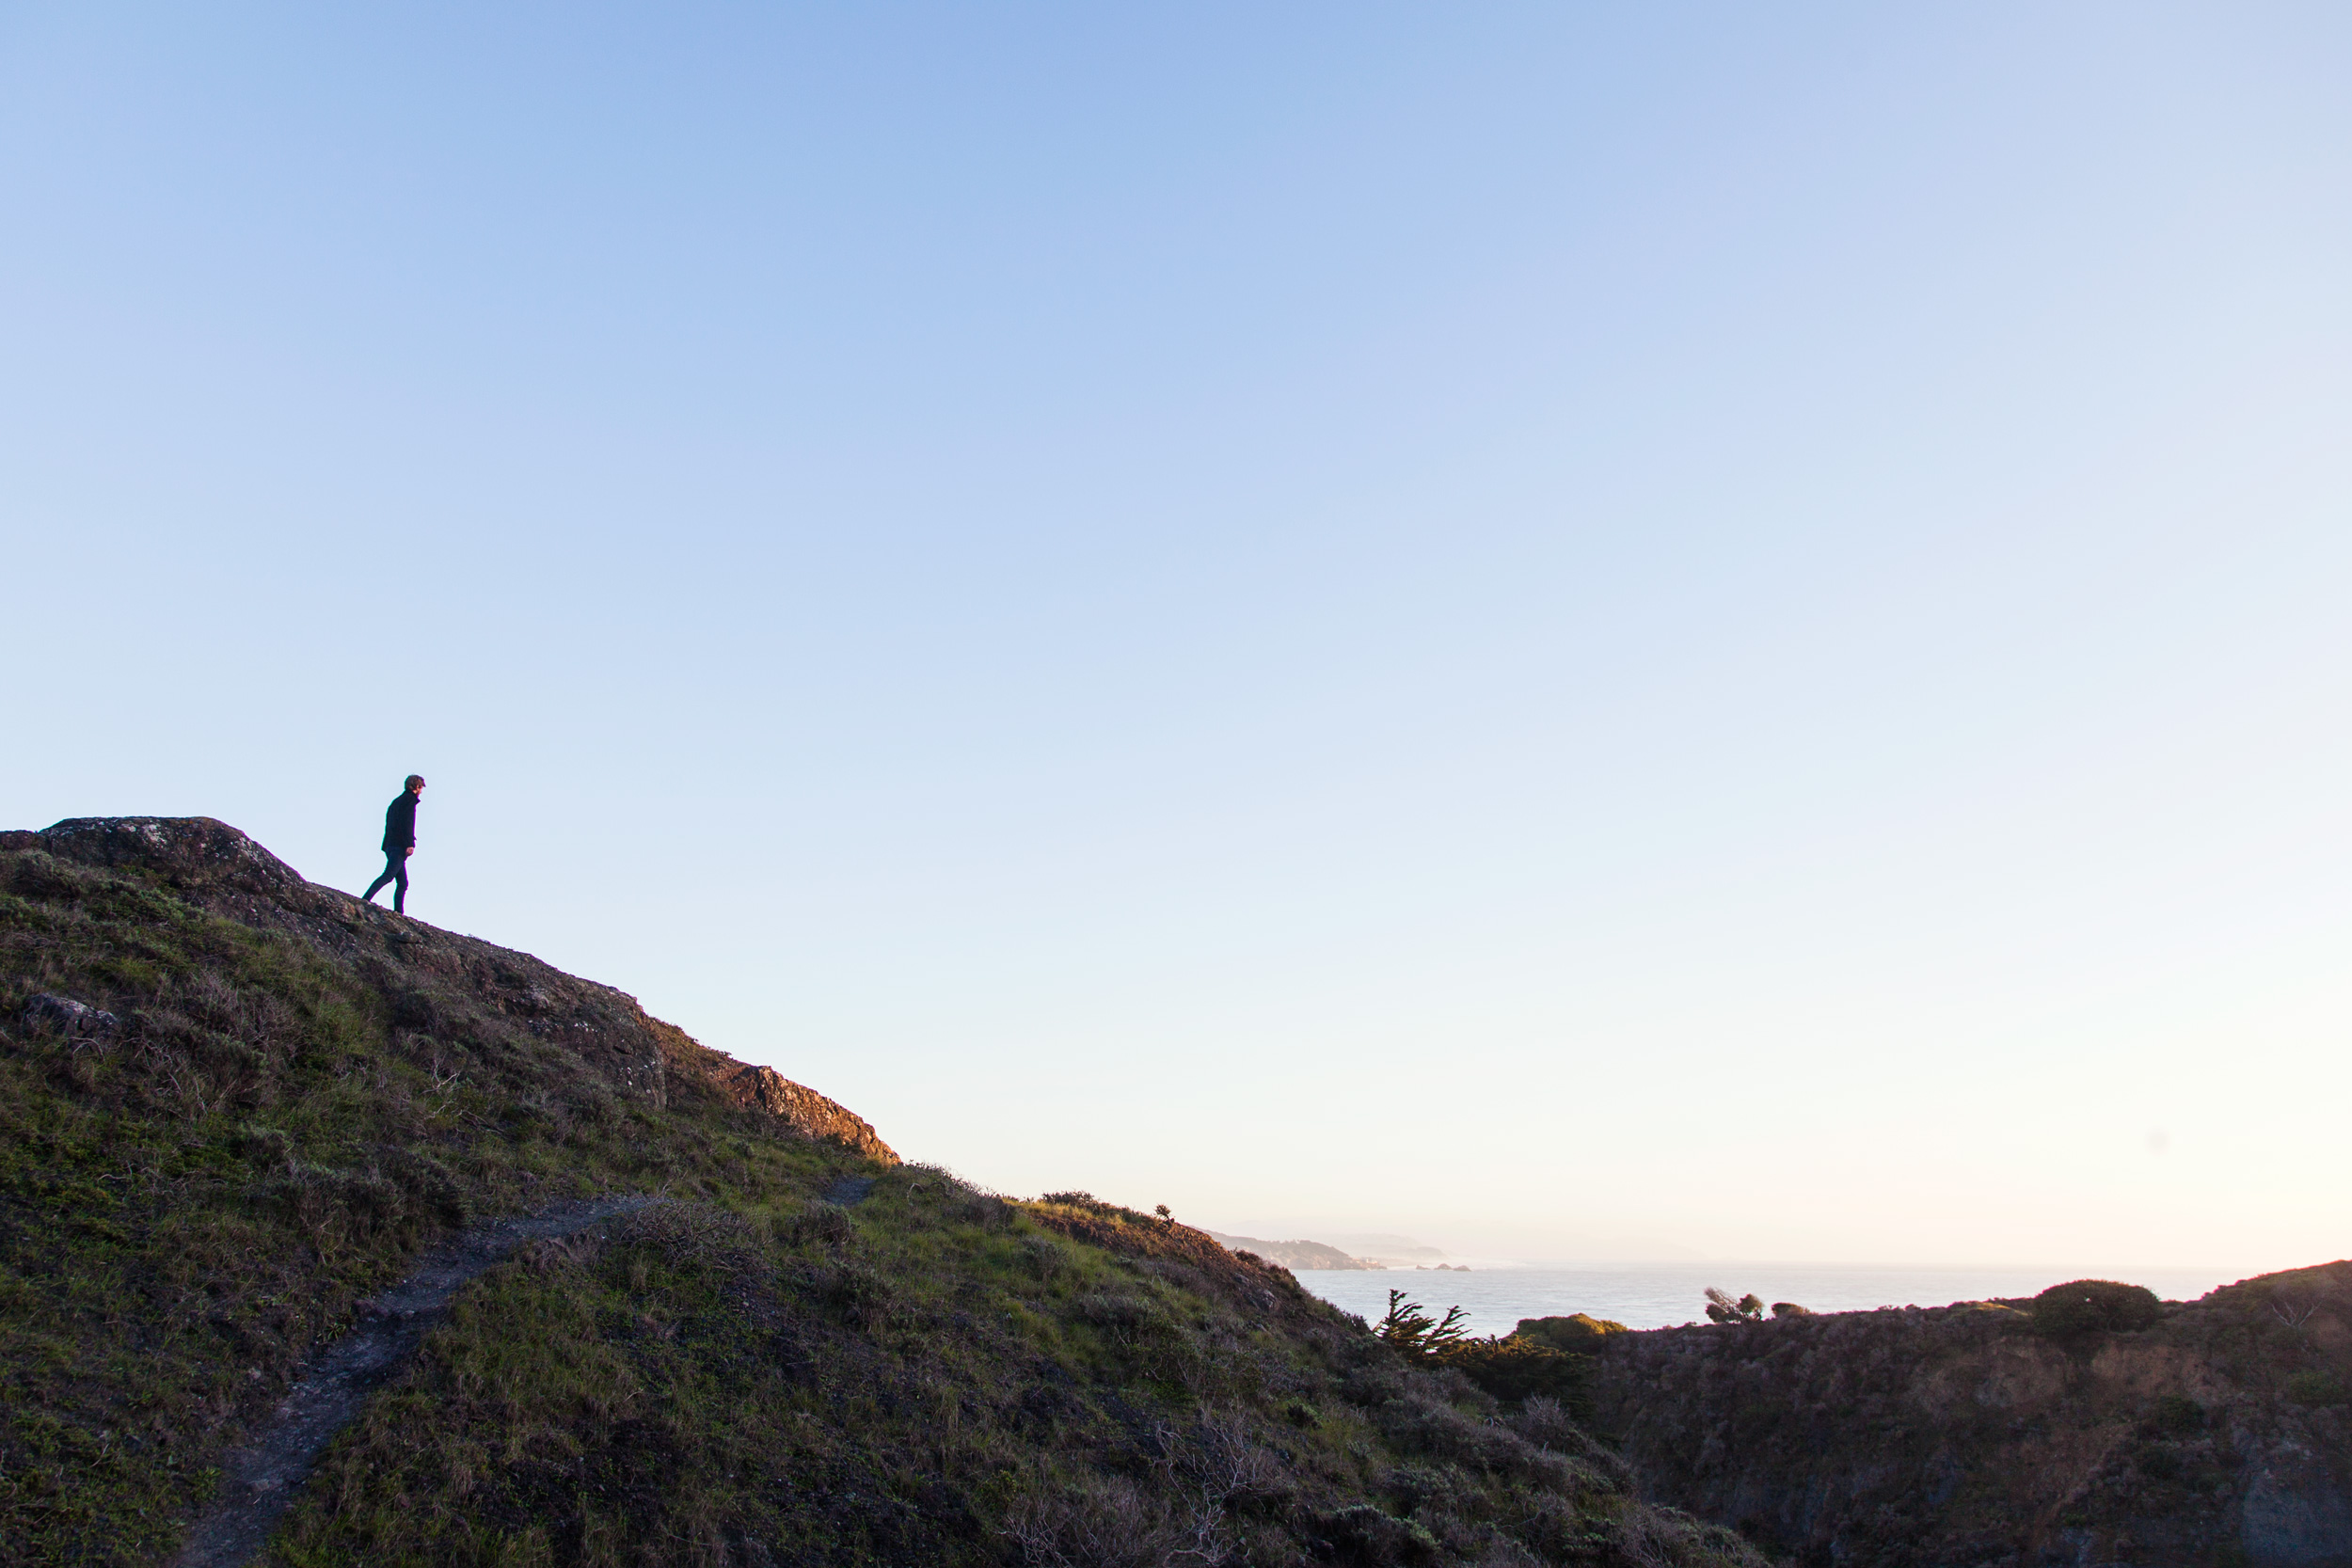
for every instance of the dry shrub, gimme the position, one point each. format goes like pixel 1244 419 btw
pixel 264 1145
pixel 958 1201
pixel 334 1206
pixel 1126 1317
pixel 558 1253
pixel 430 1186
pixel 985 1210
pixel 1092 1523
pixel 1556 1528
pixel 1366 1534
pixel 1182 1276
pixel 1657 1538
pixel 696 1236
pixel 1544 1425
pixel 1043 1255
pixel 820 1225
pixel 861 1296
pixel 1219 1457
pixel 1422 1422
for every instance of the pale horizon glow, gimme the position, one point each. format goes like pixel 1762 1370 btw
pixel 1560 629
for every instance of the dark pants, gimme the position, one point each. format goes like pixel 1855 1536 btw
pixel 396 873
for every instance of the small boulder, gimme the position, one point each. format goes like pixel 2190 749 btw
pixel 77 1019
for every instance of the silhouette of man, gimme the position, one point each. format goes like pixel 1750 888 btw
pixel 400 842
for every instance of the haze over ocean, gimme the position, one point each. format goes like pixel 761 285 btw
pixel 1561 628
pixel 1494 1298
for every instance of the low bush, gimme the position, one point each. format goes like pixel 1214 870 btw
pixel 861 1296
pixel 1045 1257
pixel 2318 1387
pixel 2094 1307
pixel 1578 1331
pixel 1514 1369
pixel 819 1223
pixel 1368 1535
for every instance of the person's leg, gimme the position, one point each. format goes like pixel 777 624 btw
pixel 399 884
pixel 394 865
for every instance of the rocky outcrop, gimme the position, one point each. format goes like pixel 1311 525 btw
pixel 184 851
pixel 805 1111
pixel 1967 1435
pixel 440 985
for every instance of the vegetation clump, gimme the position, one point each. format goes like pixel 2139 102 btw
pixel 1576 1332
pixel 1514 1370
pixel 1511 1369
pixel 2083 1307
pixel 2317 1386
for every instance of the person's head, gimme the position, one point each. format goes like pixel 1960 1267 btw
pixel 415 784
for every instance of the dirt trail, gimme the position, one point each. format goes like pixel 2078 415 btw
pixel 850 1190
pixel 259 1482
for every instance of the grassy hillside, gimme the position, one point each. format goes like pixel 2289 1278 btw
pixel 298 1095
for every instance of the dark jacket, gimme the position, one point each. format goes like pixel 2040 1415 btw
pixel 400 823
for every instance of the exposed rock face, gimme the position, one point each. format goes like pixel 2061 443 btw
pixel 184 850
pixel 1961 1435
pixel 805 1111
pixel 432 979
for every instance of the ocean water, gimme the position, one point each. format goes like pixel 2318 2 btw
pixel 1661 1295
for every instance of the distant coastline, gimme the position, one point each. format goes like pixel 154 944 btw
pixel 1296 1254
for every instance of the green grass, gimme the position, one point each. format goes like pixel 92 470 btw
pixel 742 1375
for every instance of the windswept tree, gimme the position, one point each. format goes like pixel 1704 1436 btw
pixel 1409 1327
pixel 1723 1310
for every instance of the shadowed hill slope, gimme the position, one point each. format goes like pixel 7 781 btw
pixel 2215 1432
pixel 236 1109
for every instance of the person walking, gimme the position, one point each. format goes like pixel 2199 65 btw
pixel 400 842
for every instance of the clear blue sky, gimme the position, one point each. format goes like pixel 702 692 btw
pixel 1556 627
